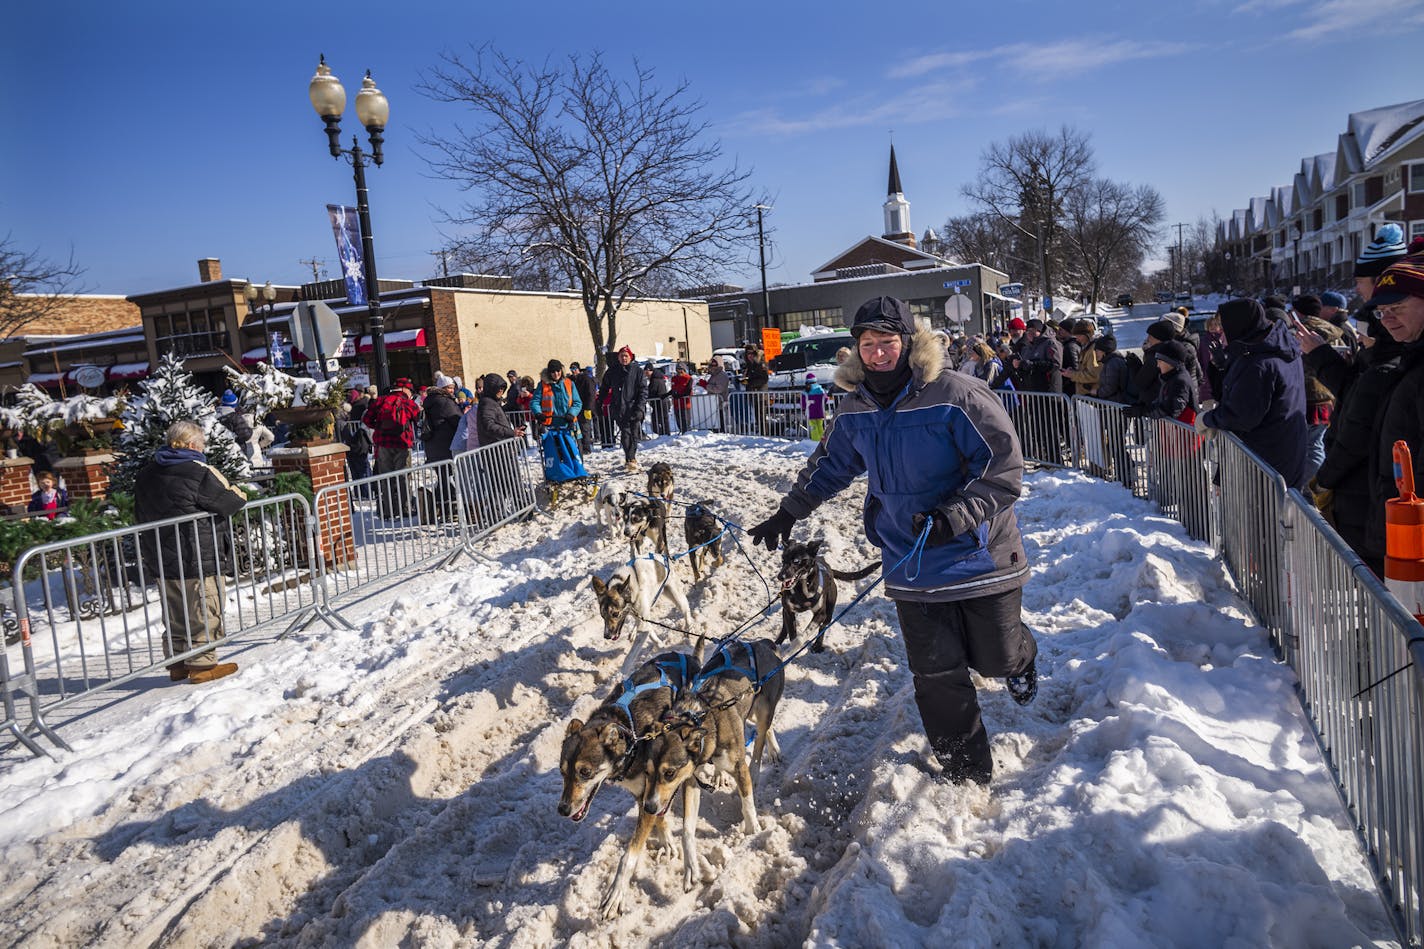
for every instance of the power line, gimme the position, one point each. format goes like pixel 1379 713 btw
pixel 313 263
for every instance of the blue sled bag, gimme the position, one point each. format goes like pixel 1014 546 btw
pixel 562 461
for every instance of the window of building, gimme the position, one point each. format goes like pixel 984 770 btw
pixel 1416 229
pixel 190 333
pixel 1357 195
pixel 1416 177
pixel 829 316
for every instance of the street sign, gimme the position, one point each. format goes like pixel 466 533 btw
pixel 1047 304
pixel 948 284
pixel 90 377
pixel 958 308
pixel 1010 289
pixel 327 326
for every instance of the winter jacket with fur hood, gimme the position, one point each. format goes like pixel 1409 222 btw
pixel 945 442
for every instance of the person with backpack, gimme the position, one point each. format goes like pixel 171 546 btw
pixel 391 418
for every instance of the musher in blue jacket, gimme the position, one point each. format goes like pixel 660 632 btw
pixel 938 447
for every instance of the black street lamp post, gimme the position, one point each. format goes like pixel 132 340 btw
pixel 268 294
pixel 372 110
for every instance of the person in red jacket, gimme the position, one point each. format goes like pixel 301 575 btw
pixel 682 398
pixel 390 419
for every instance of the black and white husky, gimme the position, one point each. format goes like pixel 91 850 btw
pixel 808 584
pixel 630 594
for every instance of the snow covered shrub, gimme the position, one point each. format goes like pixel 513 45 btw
pixel 170 395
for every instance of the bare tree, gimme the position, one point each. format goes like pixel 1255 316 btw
pixel 610 186
pixel 984 239
pixel 1025 183
pixel 31 286
pixel 1108 226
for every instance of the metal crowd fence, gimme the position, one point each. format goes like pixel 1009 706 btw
pixel 98 611
pixel 1357 654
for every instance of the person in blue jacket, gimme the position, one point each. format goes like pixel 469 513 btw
pixel 1262 398
pixel 940 451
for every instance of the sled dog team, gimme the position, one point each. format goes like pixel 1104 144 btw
pixel 673 714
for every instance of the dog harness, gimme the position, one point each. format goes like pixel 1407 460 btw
pixel 722 661
pixel 673 673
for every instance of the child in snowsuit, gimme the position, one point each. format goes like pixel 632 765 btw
pixel 814 402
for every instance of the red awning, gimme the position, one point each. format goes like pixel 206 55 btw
pixel 128 371
pixel 47 380
pixel 399 339
pixel 253 356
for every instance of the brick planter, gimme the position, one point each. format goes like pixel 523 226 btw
pixel 15 488
pixel 325 465
pixel 86 476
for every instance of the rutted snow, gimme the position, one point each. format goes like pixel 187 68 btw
pixel 397 784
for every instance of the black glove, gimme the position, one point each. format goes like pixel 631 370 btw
pixel 941 533
pixel 774 530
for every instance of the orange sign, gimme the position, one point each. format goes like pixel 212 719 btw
pixel 771 343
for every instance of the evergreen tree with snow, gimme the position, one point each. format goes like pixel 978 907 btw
pixel 170 395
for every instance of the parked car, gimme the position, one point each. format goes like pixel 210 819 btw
pixel 1124 299
pixel 1184 299
pixel 731 359
pixel 1162 296
pixel 1105 326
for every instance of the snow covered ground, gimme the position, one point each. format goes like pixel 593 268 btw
pixel 397 785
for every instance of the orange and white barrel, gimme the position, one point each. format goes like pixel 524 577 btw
pixel 1404 537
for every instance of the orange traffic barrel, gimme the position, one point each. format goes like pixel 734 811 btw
pixel 1404 537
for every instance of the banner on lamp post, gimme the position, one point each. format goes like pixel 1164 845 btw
pixel 347 227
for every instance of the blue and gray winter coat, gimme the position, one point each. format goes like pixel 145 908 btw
pixel 945 442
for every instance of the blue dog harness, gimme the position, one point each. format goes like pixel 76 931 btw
pixel 674 672
pixel 722 661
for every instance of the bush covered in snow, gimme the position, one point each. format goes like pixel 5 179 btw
pixel 170 395
pixel 269 388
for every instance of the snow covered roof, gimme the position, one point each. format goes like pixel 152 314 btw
pixel 132 335
pixel 1375 131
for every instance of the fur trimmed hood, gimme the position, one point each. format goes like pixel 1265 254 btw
pixel 926 362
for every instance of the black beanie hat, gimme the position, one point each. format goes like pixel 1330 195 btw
pixel 1107 345
pixel 1173 353
pixel 554 366
pixel 1307 304
pixel 494 384
pixel 1162 330
pixel 886 314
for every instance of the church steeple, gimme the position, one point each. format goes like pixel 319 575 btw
pixel 897 209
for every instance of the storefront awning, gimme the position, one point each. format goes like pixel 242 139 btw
pixel 399 339
pixel 47 380
pixel 128 371
pixel 253 356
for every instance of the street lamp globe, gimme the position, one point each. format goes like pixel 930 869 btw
pixel 327 94
pixel 250 291
pixel 371 106
pixel 269 292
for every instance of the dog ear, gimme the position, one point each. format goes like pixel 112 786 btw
pixel 815 545
pixel 611 736
pixel 695 742
pixel 599 587
pixel 574 726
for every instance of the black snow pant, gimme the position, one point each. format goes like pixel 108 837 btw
pixel 943 641
pixel 628 433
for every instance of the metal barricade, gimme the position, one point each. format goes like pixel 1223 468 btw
pixel 660 416
pixel 495 485
pixel 1110 443
pixel 1251 497
pixel 1047 429
pixel 379 527
pixel 1351 644
pixel 779 413
pixel 1177 476
pixel 99 611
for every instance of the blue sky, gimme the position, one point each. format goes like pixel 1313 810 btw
pixel 145 136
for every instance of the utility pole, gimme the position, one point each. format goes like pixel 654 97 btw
pixel 1181 262
pixel 761 250
pixel 313 263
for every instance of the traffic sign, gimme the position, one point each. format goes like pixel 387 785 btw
pixel 958 308
pixel 948 284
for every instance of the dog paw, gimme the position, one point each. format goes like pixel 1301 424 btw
pixel 751 824
pixel 612 904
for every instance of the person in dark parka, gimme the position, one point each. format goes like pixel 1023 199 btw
pixel 1177 392
pixel 1262 399
pixel 442 417
pixel 626 389
pixel 187 559
pixel 491 422
pixel 1348 481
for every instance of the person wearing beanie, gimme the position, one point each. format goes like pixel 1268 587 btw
pixel 1177 318
pixel 1039 365
pixel 441 416
pixel 1088 364
pixel 491 421
pixel 944 464
pixel 1387 248
pixel 557 402
pixel 623 395
pixel 1176 396
pixel 1072 355
pixel 1262 397
pixel 583 382
pixel 1113 374
pixel 1017 342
